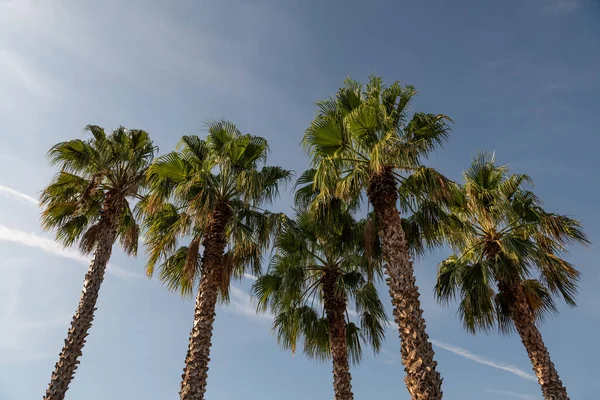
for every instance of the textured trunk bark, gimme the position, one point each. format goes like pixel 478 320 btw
pixel 193 384
pixel 65 368
pixel 422 379
pixel 524 320
pixel 335 309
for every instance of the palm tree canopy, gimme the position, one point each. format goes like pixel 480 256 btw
pixel 97 176
pixel 503 236
pixel 306 250
pixel 223 173
pixel 365 130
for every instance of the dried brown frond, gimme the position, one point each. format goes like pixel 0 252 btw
pixel 191 259
pixel 90 238
pixel 226 272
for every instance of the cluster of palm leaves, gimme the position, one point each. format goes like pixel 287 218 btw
pixel 202 211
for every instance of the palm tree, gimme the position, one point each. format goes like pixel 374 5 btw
pixel 325 266
pixel 215 189
pixel 508 269
pixel 363 140
pixel 87 201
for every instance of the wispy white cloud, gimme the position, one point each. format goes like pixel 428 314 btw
pixel 513 369
pixel 45 244
pixel 558 6
pixel 250 277
pixel 16 195
pixel 514 395
pixel 19 71
pixel 49 246
pixel 388 357
pixel 241 303
pixel 24 334
pixel 41 243
pixel 164 49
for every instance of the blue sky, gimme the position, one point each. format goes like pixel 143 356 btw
pixel 519 77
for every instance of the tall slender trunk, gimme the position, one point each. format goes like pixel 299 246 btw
pixel 335 309
pixel 422 379
pixel 193 384
pixel 524 320
pixel 65 368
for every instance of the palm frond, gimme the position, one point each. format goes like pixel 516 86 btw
pixel 128 232
pixel 539 299
pixel 449 279
pixel 354 338
pixel 90 238
pixel 177 274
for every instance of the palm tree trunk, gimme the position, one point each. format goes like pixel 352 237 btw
pixel 524 320
pixel 65 368
pixel 193 384
pixel 422 379
pixel 335 309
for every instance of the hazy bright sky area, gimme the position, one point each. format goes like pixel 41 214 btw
pixel 519 77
